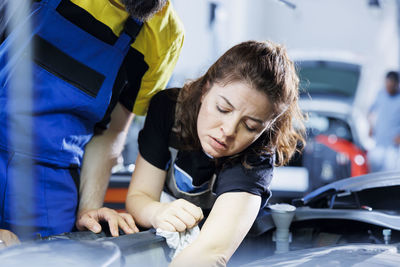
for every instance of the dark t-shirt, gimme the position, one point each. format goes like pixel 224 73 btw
pixel 195 168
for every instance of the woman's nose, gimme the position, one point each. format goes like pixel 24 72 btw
pixel 229 128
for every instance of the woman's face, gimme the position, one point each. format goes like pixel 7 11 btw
pixel 231 118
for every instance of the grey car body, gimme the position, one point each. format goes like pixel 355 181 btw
pixel 351 222
pixel 345 218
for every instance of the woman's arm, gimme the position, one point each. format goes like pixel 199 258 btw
pixel 228 223
pixel 143 201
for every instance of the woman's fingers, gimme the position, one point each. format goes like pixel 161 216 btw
pixel 176 222
pixel 195 211
pixel 188 219
pixel 178 215
pixel 164 225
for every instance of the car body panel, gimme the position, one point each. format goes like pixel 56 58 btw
pixel 89 249
pixel 386 216
pixel 345 255
pixel 355 184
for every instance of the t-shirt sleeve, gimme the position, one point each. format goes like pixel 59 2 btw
pixel 163 41
pixel 254 180
pixel 154 137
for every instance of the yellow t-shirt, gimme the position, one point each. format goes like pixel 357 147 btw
pixel 160 41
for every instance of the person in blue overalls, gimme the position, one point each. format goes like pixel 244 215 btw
pixel 87 72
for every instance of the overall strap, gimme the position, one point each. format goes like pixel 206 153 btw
pixel 204 199
pixel 130 32
pixel 174 153
pixel 132 27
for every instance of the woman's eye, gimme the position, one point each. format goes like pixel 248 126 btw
pixel 250 129
pixel 222 110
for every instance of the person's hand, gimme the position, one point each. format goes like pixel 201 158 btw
pixel 370 132
pixel 177 216
pixel 89 220
pixel 397 140
pixel 7 238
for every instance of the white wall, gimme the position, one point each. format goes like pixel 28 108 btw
pixel 334 25
pixel 340 25
pixel 331 26
pixel 196 47
pixel 202 45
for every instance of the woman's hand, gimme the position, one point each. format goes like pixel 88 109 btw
pixel 7 238
pixel 89 220
pixel 177 216
pixel 230 219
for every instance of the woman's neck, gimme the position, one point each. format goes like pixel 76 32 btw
pixel 208 155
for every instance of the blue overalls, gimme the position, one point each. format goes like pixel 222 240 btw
pixel 73 77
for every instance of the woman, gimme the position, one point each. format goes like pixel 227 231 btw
pixel 213 145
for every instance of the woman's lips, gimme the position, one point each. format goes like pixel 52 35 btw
pixel 217 144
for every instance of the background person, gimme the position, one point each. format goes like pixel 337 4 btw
pixel 385 126
pixel 212 146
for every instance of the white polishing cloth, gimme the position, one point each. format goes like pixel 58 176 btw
pixel 177 241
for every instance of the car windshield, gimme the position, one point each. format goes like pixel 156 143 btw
pixel 329 77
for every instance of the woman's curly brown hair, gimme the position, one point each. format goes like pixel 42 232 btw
pixel 266 67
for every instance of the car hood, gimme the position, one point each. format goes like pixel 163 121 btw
pixel 346 255
pixel 388 217
pixel 62 253
pixel 354 184
pixel 89 249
